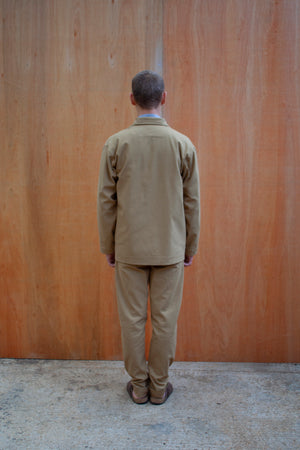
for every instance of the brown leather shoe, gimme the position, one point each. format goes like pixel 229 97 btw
pixel 137 400
pixel 161 400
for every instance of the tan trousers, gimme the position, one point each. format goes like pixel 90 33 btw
pixel 165 284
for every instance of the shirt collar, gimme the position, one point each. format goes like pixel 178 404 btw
pixel 150 115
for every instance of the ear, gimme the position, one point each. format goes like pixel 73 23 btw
pixel 133 102
pixel 163 98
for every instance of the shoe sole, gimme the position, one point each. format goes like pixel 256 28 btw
pixel 140 401
pixel 167 393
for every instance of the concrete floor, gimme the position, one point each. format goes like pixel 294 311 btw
pixel 84 404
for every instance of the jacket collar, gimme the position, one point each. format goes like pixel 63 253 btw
pixel 150 121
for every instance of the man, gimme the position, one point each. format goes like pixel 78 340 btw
pixel 149 219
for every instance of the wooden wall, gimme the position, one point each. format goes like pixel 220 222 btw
pixel 232 74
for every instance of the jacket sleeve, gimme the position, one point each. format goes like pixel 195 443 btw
pixel 191 200
pixel 107 201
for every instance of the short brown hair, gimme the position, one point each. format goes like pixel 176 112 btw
pixel 147 89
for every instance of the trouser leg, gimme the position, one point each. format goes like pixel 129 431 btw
pixel 166 285
pixel 132 297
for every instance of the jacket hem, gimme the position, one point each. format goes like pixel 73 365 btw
pixel 150 261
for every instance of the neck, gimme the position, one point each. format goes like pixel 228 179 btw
pixel 141 111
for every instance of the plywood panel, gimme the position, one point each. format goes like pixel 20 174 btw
pixel 232 75
pixel 233 82
pixel 65 83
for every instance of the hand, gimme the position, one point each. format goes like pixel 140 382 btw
pixel 188 260
pixel 111 259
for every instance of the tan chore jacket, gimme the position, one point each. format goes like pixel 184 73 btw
pixel 148 195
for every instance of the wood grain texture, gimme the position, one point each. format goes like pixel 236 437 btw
pixel 233 82
pixel 66 69
pixel 232 75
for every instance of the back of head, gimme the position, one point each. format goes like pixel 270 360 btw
pixel 147 89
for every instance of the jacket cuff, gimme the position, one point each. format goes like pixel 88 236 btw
pixel 190 251
pixel 107 250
